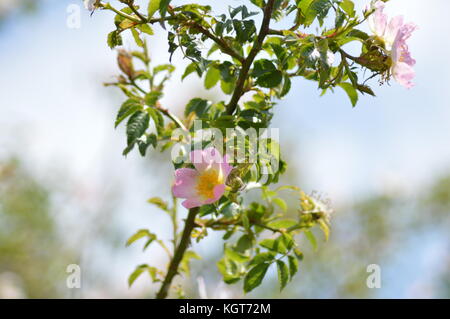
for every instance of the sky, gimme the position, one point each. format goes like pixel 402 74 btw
pixel 57 116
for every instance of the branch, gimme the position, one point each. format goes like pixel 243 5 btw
pixel 171 116
pixel 239 90
pixel 223 45
pixel 108 6
pixel 131 5
pixel 179 253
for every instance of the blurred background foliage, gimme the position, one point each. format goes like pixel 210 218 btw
pixel 377 229
pixel 49 223
pixel 11 7
pixel 28 236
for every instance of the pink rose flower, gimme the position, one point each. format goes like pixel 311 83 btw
pixel 394 35
pixel 206 183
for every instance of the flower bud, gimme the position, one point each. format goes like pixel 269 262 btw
pixel 375 60
pixel 125 62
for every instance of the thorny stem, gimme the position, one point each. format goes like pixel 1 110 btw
pixel 231 106
pixel 142 19
pixel 132 7
pixel 348 56
pixel 171 116
pixel 179 253
pixel 108 6
pixel 174 216
pixel 239 90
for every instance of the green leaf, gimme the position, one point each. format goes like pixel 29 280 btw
pixel 274 244
pixel 128 107
pixel 262 67
pixel 163 67
pixel 283 274
pixel 313 8
pixel 148 242
pixel 364 89
pixel 153 6
pixel 158 119
pixel 312 239
pixel 114 39
pixel 298 254
pixel 212 77
pixel 145 28
pixel 324 226
pixel 150 139
pixel 192 67
pixel 198 106
pixel 244 243
pixel 348 6
pixel 270 80
pixel 255 277
pixel 245 221
pixel 282 223
pixel 265 257
pixel 351 92
pixel 140 234
pixel 136 127
pixel 293 265
pixel 355 33
pixel 286 86
pixel 163 7
pixel 184 265
pixel 234 255
pixel 229 270
pixel 158 202
pixel 152 97
pixel 137 38
pixel 227 87
pixel 136 273
pixel 281 203
pixel 319 9
pixel 244 30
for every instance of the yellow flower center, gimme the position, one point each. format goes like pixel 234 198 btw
pixel 207 181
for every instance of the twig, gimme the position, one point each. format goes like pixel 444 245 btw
pixel 223 45
pixel 132 7
pixel 179 253
pixel 108 6
pixel 171 116
pixel 238 91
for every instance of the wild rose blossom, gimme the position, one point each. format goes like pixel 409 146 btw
pixel 206 183
pixel 394 35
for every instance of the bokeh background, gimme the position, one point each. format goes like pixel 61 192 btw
pixel 68 196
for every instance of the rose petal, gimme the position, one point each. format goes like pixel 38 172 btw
pixel 378 20
pixel 226 168
pixel 404 74
pixel 392 29
pixel 206 159
pixel 192 202
pixel 185 182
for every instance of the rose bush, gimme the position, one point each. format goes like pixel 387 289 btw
pixel 242 53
